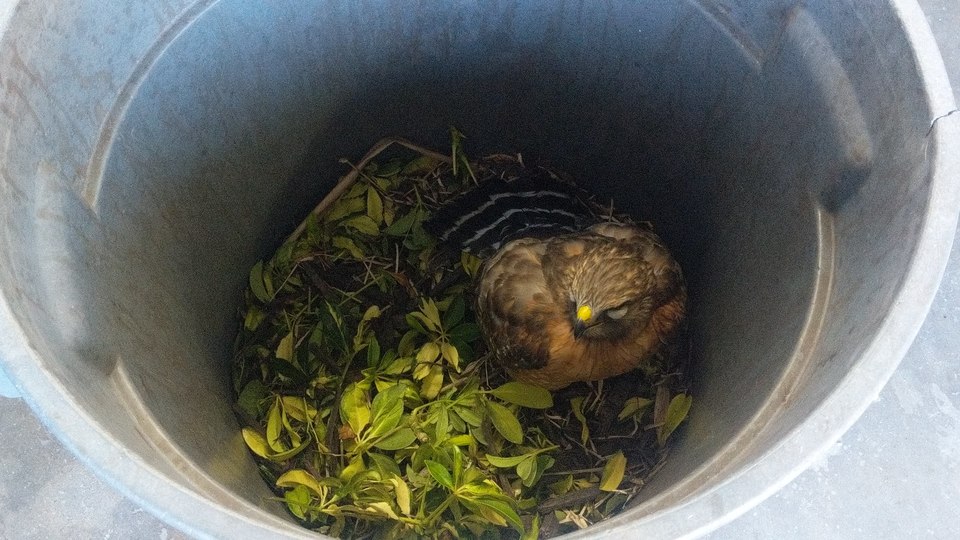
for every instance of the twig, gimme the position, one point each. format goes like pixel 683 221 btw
pixel 351 177
pixel 572 499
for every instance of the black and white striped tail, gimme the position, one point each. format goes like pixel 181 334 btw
pixel 497 211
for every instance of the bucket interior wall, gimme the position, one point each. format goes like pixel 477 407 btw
pixel 155 152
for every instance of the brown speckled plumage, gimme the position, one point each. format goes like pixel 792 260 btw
pixel 531 289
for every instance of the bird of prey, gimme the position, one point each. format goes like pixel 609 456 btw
pixel 563 296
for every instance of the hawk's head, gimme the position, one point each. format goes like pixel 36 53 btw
pixel 610 279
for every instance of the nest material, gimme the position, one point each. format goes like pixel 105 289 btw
pixel 368 397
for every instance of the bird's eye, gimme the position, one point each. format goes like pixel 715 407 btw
pixel 617 313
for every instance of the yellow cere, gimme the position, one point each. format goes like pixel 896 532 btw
pixel 584 313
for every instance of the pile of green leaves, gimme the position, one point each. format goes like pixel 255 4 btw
pixel 370 402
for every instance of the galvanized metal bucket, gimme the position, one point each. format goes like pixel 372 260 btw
pixel 150 152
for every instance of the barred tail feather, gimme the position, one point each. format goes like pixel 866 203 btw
pixel 498 210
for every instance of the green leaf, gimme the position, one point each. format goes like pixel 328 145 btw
pixel 576 404
pixel 467 332
pixel 275 428
pixel 295 438
pixel 419 239
pixel 256 283
pixel 458 467
pixel 300 477
pixel 397 440
pixel 479 510
pixel 363 224
pixel 428 353
pixel 501 508
pixel 419 166
pixel 355 466
pixel 298 501
pixel 527 470
pixel 615 503
pixel 387 359
pixel 387 410
pixel 564 485
pixel 389 213
pixel 525 395
pixel 464 439
pixel 402 493
pixel 442 428
pixel 406 345
pixel 414 324
pixel 389 168
pixel 439 473
pixel 450 353
pixel 313 233
pixel 361 338
pixel 432 383
pixel 383 508
pixel 348 245
pixel 281 259
pixel 371 313
pixel 470 263
pixel 544 463
pixel 421 371
pixel 354 409
pixel 288 454
pixel 373 352
pixel 259 446
pixel 634 405
pixel 333 328
pixel 253 393
pixel 386 466
pixel 506 462
pixel 287 369
pixel 470 416
pixel 613 472
pixel 533 533
pixel 399 365
pixel 455 312
pixel 505 422
pixel 256 442
pixel 401 226
pixel 374 206
pixel 422 323
pixel 676 413
pixel 253 318
pixel 425 321
pixel 466 351
pixel 344 207
pixel 298 408
pixel 268 280
pixel 358 188
pixel 429 308
pixel 457 425
pixel 285 348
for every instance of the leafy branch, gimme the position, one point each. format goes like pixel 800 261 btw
pixel 365 392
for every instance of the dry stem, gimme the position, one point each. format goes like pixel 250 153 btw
pixel 351 177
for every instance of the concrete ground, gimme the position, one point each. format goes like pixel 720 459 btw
pixel 895 474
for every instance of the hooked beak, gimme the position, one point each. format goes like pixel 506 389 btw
pixel 579 327
pixel 582 321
